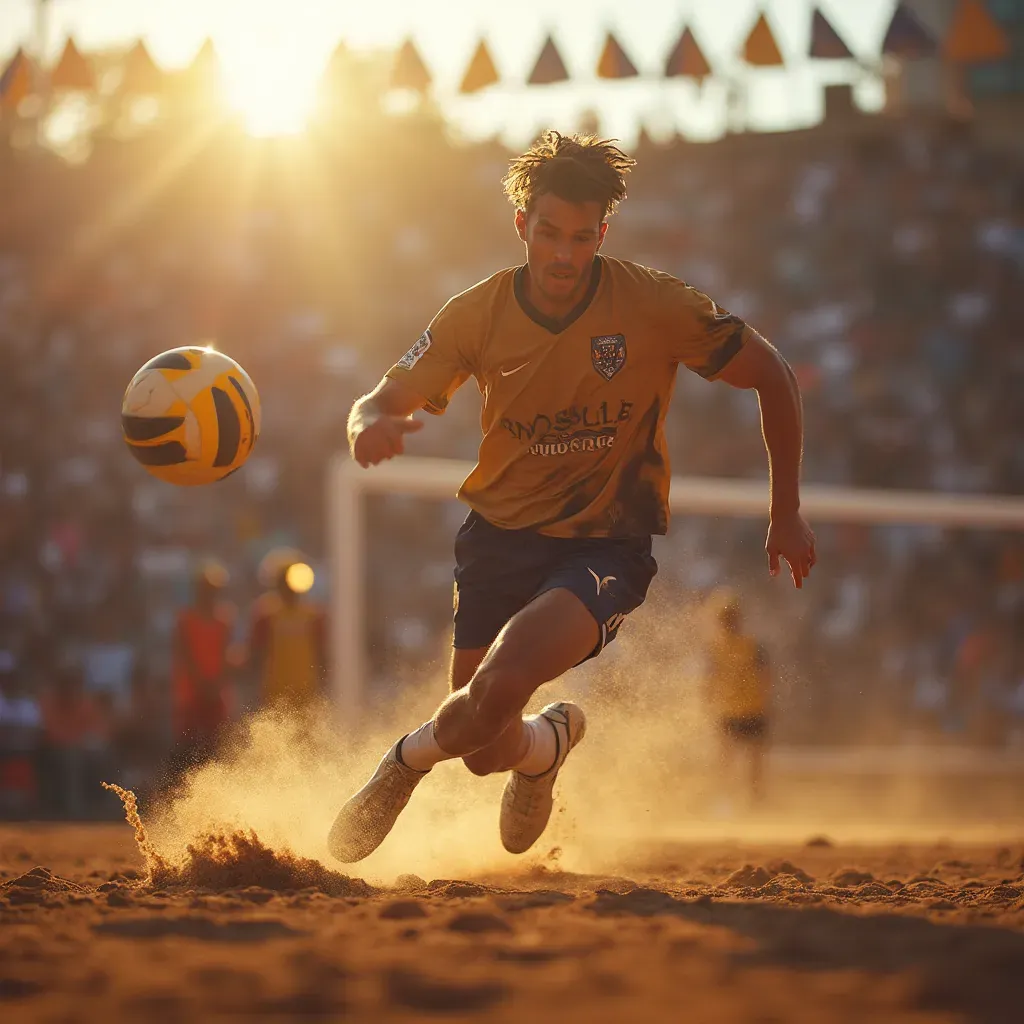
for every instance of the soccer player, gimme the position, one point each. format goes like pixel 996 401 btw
pixel 738 683
pixel 575 354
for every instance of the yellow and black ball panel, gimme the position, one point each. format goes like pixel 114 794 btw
pixel 191 416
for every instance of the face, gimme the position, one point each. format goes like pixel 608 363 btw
pixel 561 239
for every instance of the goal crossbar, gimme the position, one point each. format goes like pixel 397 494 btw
pixel 440 479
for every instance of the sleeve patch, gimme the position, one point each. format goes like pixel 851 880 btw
pixel 415 354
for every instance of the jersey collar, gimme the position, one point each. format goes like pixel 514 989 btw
pixel 550 323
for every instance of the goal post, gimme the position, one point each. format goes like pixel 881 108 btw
pixel 439 479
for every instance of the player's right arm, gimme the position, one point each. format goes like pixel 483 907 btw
pixel 424 378
pixel 379 421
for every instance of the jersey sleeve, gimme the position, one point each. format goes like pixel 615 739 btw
pixel 701 335
pixel 439 363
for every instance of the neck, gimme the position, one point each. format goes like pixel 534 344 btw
pixel 556 308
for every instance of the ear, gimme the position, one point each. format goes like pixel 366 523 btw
pixel 520 220
pixel 601 233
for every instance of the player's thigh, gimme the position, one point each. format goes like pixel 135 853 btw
pixel 546 638
pixel 465 662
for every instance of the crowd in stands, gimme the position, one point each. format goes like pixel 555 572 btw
pixel 885 262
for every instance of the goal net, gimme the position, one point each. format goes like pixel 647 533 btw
pixel 846 705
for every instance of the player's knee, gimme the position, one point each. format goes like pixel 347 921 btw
pixel 480 763
pixel 497 694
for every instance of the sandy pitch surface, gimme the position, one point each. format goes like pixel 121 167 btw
pixel 703 932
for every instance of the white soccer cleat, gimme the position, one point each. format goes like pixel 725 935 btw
pixel 527 801
pixel 366 818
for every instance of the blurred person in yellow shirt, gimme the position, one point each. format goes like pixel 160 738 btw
pixel 288 642
pixel 738 685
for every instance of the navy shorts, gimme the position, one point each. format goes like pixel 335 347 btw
pixel 498 572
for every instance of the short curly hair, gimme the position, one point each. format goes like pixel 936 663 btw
pixel 577 168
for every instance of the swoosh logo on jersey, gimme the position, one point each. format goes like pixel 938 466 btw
pixel 719 314
pixel 508 373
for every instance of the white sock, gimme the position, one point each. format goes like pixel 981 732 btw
pixel 543 748
pixel 420 751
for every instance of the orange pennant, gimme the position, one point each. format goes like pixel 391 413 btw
pixel 73 72
pixel 614 63
pixel 140 76
pixel 974 36
pixel 760 49
pixel 481 72
pixel 410 72
pixel 15 82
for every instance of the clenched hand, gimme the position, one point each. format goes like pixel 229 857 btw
pixel 382 438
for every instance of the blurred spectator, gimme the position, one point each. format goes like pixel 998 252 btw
pixel 20 726
pixel 75 742
pixel 737 685
pixel 288 645
pixel 885 261
pixel 202 692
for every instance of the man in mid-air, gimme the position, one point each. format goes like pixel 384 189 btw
pixel 575 355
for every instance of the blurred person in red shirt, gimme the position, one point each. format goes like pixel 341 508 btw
pixel 201 684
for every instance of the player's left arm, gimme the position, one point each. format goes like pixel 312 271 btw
pixel 758 366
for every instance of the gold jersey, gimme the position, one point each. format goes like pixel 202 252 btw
pixel 574 409
pixel 737 676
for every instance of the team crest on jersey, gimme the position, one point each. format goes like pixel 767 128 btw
pixel 608 354
pixel 413 356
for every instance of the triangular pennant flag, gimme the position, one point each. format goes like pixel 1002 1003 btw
pixel 481 72
pixel 906 36
pixel 73 72
pixel 687 60
pixel 140 76
pixel 974 36
pixel 16 81
pixel 410 72
pixel 826 43
pixel 614 63
pixel 760 49
pixel 550 67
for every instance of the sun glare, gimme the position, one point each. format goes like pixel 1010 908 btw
pixel 273 90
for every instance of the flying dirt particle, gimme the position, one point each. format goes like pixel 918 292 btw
pixel 238 860
pixel 747 877
pixel 822 841
pixel 478 923
pixel 417 992
pixel 402 910
pixel 846 877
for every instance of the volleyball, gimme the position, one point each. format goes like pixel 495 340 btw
pixel 191 416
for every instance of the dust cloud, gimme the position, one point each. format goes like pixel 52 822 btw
pixel 648 773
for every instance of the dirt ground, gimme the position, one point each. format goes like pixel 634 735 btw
pixel 705 932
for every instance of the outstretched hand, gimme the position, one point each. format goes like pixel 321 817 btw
pixel 790 537
pixel 382 439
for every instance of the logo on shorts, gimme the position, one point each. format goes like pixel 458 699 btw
pixel 601 581
pixel 413 356
pixel 608 354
